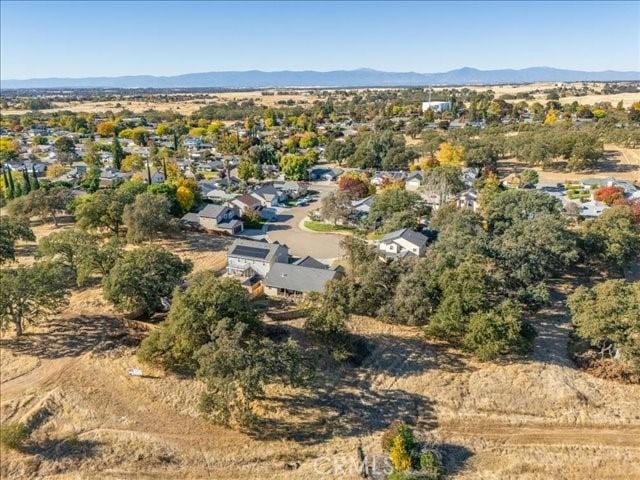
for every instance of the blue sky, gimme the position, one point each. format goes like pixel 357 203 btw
pixel 73 39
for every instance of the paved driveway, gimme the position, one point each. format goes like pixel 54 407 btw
pixel 285 229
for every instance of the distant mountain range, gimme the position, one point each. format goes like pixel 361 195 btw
pixel 363 77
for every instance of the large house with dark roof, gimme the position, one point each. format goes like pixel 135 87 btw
pixel 221 218
pixel 298 278
pixel 267 264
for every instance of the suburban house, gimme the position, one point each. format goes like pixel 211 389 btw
pixel 112 176
pixel 268 196
pixel 220 218
pixel 298 278
pixel 326 174
pixel 291 189
pixel 468 199
pixel 380 178
pixel 264 267
pixel 246 204
pixel 592 183
pixel 402 243
pixel 413 182
pixel 363 205
pixel 247 258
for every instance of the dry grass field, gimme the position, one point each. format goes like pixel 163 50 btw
pixel 188 104
pixel 534 418
pixel 620 163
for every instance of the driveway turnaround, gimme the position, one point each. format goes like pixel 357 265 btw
pixel 285 229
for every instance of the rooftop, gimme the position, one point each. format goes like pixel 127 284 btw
pixel 298 278
pixel 407 234
pixel 253 249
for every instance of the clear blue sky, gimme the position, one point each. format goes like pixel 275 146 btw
pixel 75 39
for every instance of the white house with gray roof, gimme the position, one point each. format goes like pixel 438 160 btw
pixel 249 257
pixel 402 243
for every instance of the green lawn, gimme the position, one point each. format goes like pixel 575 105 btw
pixel 326 227
pixel 375 235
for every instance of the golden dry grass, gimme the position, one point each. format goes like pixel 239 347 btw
pixel 620 163
pixel 186 105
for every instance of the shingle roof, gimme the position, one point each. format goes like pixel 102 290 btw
pixel 409 235
pixel 212 211
pixel 247 200
pixel 297 278
pixel 310 262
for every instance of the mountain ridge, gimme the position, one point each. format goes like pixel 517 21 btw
pixel 361 77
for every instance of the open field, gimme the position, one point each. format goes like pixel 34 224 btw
pixel 620 163
pixel 188 103
pixel 533 418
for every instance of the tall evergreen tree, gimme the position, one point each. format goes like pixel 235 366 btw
pixel 117 153
pixel 148 173
pixel 36 182
pixel 26 183
pixel 12 188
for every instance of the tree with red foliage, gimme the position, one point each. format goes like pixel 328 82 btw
pixel 355 185
pixel 609 195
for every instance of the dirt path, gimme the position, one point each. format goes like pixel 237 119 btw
pixel 44 375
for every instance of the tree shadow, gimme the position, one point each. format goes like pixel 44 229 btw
pixel 454 457
pixel 347 401
pixel 345 411
pixel 282 218
pixel 71 337
pixel 56 449
pixel 409 356
pixel 272 227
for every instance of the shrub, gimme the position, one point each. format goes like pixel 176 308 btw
pixel 609 195
pixel 430 464
pixel 13 435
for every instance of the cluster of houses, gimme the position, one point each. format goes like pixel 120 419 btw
pixel 268 268
pixel 259 202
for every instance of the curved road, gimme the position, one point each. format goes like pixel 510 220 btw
pixel 285 229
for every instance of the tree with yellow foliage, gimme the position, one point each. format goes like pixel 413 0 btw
pixel 106 128
pixel 215 127
pixel 197 132
pixel 55 170
pixel 132 163
pixel 450 155
pixel 400 454
pixel 185 197
pixel 551 118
